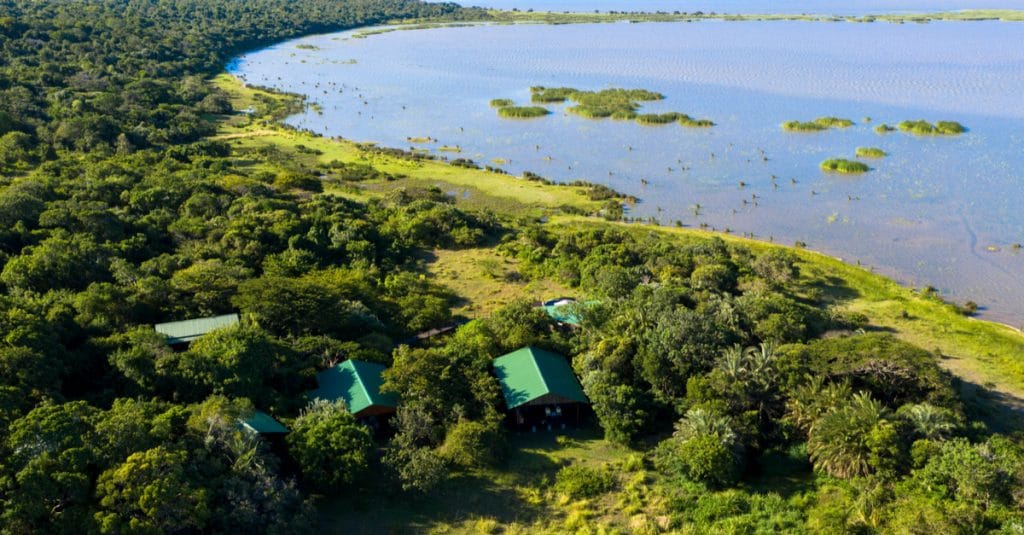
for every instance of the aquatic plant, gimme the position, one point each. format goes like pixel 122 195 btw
pixel 817 125
pixel 924 128
pixel 658 118
pixel 523 112
pixel 883 129
pixel 690 122
pixel 502 103
pixel 871 152
pixel 841 165
pixel 541 94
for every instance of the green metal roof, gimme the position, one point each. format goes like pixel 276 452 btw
pixel 355 381
pixel 180 332
pixel 530 373
pixel 263 423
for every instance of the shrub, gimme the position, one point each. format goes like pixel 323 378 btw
pixel 578 481
pixel 473 444
pixel 704 458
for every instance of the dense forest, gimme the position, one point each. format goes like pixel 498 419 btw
pixel 712 363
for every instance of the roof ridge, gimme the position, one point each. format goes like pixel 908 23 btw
pixel 362 384
pixel 533 357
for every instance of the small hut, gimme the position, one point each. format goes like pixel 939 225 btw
pixel 540 389
pixel 357 383
pixel 180 334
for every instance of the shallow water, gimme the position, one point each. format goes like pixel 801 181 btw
pixel 927 214
pixel 827 7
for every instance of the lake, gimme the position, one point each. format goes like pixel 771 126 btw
pixel 941 211
pixel 828 7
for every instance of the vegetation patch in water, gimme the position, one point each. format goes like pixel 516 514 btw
pixel 924 128
pixel 523 112
pixel 844 166
pixel 817 125
pixel 502 103
pixel 871 152
pixel 884 129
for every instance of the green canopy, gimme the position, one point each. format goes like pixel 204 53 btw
pixel 358 383
pixel 534 376
pixel 182 332
pixel 263 424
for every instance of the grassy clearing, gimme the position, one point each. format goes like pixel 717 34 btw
pixel 514 497
pixel 485 280
pixel 844 166
pixel 503 193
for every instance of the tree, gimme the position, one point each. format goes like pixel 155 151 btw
pixel 621 409
pixel 703 448
pixel 332 448
pixel 472 444
pixel 928 421
pixel 854 439
pixel 153 491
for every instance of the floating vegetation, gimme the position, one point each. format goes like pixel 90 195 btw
pixel 542 94
pixel 450 148
pixel 418 139
pixel 523 112
pixel 817 125
pixel 871 152
pixel 924 128
pixel 657 118
pixel 502 103
pixel 307 47
pixel 605 103
pixel 848 167
pixel 673 117
pixel 884 129
pixel 499 161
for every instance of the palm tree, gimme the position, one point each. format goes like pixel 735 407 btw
pixel 839 440
pixel 812 400
pixel 702 422
pixel 929 421
pixel 734 362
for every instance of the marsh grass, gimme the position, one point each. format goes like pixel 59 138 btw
pixel 884 129
pixel 523 112
pixel 817 125
pixel 502 103
pixel 924 128
pixel 871 152
pixel 846 167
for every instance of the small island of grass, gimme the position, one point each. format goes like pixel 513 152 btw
pixel 871 152
pixel 523 112
pixel 924 128
pixel 846 167
pixel 883 129
pixel 817 125
pixel 672 117
pixel 502 103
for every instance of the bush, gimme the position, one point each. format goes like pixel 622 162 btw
pixel 704 458
pixel 583 482
pixel 473 444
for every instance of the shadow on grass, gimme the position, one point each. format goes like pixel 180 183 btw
pixel 1001 412
pixel 834 289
